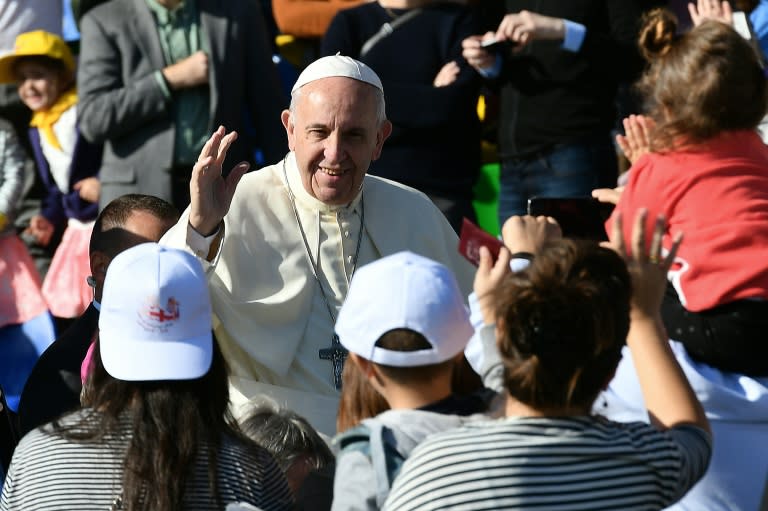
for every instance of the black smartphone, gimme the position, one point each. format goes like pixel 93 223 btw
pixel 493 45
pixel 579 217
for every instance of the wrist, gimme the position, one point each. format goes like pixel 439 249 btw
pixel 485 304
pixel 523 254
pixel 645 317
pixel 204 229
pixel 173 81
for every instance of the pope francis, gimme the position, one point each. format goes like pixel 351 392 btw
pixel 281 244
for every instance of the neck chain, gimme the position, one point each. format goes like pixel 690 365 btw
pixel 315 264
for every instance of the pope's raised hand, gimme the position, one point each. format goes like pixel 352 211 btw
pixel 210 192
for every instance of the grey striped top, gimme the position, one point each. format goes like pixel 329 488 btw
pixel 553 464
pixel 51 473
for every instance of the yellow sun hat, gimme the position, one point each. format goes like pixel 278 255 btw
pixel 38 43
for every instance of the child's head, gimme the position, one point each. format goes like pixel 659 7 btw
pixel 43 67
pixel 561 325
pixel 700 83
pixel 296 446
pixel 405 314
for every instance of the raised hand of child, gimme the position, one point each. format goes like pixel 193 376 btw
pixel 488 276
pixel 647 265
pixel 636 140
pixel 608 195
pixel 528 233
pixel 718 10
pixel 41 229
pixel 89 189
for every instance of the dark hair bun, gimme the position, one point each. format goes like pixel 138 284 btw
pixel 657 33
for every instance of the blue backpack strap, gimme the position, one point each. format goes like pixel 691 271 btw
pixel 379 462
pixel 375 441
pixel 355 439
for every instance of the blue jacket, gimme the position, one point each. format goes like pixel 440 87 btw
pixel 58 207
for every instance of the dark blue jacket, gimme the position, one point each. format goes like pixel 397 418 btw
pixel 58 207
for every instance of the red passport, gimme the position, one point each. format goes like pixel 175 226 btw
pixel 472 238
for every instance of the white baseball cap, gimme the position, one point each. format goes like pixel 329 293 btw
pixel 155 319
pixel 404 290
pixel 337 65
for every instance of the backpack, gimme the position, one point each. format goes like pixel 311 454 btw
pixel 377 442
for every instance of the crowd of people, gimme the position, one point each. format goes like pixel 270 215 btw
pixel 228 298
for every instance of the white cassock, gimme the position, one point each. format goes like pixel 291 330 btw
pixel 271 319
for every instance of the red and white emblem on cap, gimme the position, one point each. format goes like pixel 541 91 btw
pixel 156 317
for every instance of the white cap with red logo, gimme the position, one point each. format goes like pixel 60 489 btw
pixel 155 320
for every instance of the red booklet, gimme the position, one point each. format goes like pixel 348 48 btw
pixel 472 238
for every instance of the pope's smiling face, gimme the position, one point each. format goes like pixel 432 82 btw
pixel 335 132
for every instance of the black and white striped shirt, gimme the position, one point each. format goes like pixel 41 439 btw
pixel 51 473
pixel 552 464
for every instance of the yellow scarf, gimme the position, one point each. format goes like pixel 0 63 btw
pixel 45 119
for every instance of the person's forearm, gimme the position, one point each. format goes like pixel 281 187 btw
pixel 669 398
pixel 108 107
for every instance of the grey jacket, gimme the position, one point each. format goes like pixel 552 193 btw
pixel 122 104
pixel 361 482
pixel 12 175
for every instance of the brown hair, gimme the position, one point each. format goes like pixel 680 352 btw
pixel 359 400
pixel 562 324
pixel 66 75
pixel 108 234
pixel 288 436
pixel 744 5
pixel 171 422
pixel 404 339
pixel 699 84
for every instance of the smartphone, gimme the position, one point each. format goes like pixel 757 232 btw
pixel 579 217
pixel 472 238
pixel 493 45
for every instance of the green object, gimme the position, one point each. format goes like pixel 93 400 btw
pixel 486 201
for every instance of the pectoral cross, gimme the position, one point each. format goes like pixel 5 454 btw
pixel 336 354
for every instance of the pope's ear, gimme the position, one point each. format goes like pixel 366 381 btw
pixel 383 134
pixel 289 126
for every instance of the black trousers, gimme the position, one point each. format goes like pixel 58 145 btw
pixel 731 337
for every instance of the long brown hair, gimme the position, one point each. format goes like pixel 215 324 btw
pixel 699 84
pixel 171 422
pixel 359 400
pixel 562 325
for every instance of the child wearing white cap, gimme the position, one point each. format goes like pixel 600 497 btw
pixel 155 431
pixel 405 325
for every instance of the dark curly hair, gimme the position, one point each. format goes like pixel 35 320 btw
pixel 562 324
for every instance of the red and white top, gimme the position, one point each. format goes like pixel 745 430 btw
pixel 716 193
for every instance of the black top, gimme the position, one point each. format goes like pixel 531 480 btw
pixel 53 387
pixel 549 95
pixel 435 143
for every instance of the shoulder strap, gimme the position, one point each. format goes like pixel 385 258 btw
pixel 379 462
pixel 386 29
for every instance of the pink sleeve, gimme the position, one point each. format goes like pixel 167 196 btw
pixel 85 367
